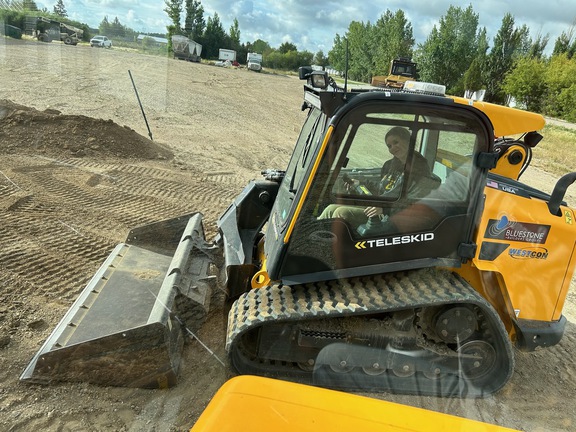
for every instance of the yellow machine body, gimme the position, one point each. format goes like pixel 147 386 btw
pixel 517 238
pixel 282 406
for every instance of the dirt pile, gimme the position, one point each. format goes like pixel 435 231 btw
pixel 25 130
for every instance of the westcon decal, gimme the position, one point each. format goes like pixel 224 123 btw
pixel 529 253
pixel 506 229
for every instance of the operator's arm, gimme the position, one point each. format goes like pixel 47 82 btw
pixel 430 210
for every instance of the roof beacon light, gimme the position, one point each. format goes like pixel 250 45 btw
pixel 425 87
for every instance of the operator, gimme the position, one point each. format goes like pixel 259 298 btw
pixel 392 177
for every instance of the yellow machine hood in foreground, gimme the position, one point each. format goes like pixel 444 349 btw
pixel 248 403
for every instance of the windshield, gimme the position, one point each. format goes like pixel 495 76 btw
pixel 119 158
pixel 405 69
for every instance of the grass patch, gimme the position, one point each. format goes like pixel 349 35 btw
pixel 556 153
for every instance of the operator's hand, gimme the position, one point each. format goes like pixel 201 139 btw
pixel 350 185
pixel 373 211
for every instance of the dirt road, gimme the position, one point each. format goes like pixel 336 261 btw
pixel 72 185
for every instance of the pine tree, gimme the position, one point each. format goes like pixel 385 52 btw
pixel 174 11
pixel 30 5
pixel 194 23
pixel 235 35
pixel 60 9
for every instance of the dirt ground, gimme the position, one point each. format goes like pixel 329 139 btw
pixel 78 170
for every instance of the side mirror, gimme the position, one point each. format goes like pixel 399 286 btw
pixel 532 139
pixel 559 192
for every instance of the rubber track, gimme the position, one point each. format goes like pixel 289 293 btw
pixel 358 296
pixel 354 297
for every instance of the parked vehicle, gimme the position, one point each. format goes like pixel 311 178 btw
pixel 100 42
pixel 401 70
pixel 254 62
pixel 47 30
pixel 226 54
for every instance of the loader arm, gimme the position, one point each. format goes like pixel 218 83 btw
pixel 240 228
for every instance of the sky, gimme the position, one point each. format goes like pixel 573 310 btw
pixel 312 24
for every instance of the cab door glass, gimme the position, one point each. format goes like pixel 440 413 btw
pixel 388 162
pixel 295 172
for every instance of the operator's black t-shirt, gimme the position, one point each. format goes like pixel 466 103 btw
pixel 393 171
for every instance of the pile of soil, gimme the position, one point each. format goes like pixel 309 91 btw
pixel 27 130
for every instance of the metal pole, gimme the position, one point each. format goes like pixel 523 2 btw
pixel 140 103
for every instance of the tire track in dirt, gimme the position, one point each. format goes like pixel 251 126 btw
pixel 68 188
pixel 58 229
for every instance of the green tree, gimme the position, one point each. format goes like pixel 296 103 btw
pixel 538 46
pixel 290 60
pixel 286 47
pixel 260 46
pixel 60 9
pixel 320 59
pixel 194 23
pixel 510 43
pixel 29 5
pixel 304 58
pixel 360 50
pixel 526 82
pixel 561 84
pixel 337 55
pixel 393 38
pixel 174 11
pixel 104 26
pixel 117 29
pixel 473 76
pixel 566 43
pixel 354 51
pixel 148 43
pixel 450 48
pixel 235 35
pixel 214 37
pixel 567 102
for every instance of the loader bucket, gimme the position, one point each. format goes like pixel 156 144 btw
pixel 125 329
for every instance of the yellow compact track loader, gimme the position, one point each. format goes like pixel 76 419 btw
pixel 461 263
pixel 401 71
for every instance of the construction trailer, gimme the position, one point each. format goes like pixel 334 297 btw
pixel 186 49
pixel 227 54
